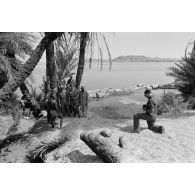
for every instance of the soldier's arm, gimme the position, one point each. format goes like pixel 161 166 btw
pixel 150 107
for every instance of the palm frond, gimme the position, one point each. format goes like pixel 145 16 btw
pixel 100 52
pixel 19 43
pixel 15 47
pixel 184 73
pixel 109 54
pixel 5 67
pixel 94 39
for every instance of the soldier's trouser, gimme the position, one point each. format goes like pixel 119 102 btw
pixel 151 119
pixel 71 106
pixel 67 110
pixel 48 116
pixel 76 111
pixel 53 116
pixel 84 110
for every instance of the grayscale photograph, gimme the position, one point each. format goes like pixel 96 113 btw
pixel 97 97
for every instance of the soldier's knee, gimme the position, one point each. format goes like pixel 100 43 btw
pixel 135 116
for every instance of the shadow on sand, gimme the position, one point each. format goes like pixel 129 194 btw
pixel 78 157
pixel 129 129
pixel 41 126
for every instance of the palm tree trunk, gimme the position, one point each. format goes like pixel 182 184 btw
pixel 83 43
pixel 24 89
pixel 28 67
pixel 51 67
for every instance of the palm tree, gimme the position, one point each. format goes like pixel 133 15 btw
pixel 28 67
pixel 87 41
pixel 65 57
pixel 58 57
pixel 184 74
pixel 84 36
pixel 14 48
pixel 51 67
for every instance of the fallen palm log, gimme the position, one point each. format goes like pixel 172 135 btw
pixel 39 153
pixel 32 148
pixel 102 144
pixel 33 145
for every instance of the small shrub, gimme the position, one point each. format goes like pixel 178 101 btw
pixel 191 103
pixel 171 103
pixel 183 73
pixel 12 106
pixel 38 98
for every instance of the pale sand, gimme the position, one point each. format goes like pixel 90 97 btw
pixel 176 145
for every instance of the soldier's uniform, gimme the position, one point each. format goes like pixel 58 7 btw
pixel 150 116
pixel 83 98
pixel 70 99
pixel 76 103
pixel 65 103
pixel 53 111
pixel 59 100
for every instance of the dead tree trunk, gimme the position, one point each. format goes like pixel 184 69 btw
pixel 104 147
pixel 34 145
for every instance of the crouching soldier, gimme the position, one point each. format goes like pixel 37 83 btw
pixel 149 115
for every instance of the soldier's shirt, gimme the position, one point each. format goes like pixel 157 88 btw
pixel 151 107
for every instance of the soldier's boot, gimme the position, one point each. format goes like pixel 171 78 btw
pixel 155 128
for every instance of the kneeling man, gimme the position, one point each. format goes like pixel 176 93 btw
pixel 149 115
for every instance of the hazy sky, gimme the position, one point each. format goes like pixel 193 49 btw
pixel 154 44
pixel 150 44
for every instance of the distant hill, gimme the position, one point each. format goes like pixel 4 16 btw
pixel 140 58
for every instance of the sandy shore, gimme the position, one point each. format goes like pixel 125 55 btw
pixel 176 145
pixel 115 113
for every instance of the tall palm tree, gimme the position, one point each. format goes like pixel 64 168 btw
pixel 84 37
pixel 51 67
pixel 59 54
pixel 184 74
pixel 28 66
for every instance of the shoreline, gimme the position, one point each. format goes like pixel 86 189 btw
pixel 107 92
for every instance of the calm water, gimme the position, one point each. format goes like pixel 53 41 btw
pixel 125 74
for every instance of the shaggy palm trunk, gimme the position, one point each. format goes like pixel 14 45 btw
pixel 28 67
pixel 24 89
pixel 105 148
pixel 80 69
pixel 51 72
